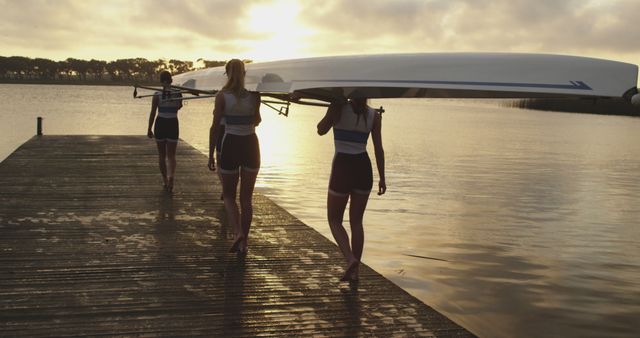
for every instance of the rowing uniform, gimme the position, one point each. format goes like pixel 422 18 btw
pixel 166 126
pixel 351 170
pixel 240 147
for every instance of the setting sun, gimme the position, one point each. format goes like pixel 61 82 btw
pixel 281 34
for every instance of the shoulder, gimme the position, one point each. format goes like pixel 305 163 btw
pixel 339 106
pixel 336 107
pixel 219 102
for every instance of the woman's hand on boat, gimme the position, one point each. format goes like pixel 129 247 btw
pixel 212 164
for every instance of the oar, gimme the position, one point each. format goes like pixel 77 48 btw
pixel 191 91
pixel 196 91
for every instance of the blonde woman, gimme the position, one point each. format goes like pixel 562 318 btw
pixel 240 151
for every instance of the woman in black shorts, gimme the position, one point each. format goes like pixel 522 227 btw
pixel 351 173
pixel 239 154
pixel 166 129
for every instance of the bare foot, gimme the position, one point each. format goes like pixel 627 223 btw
pixel 355 275
pixel 170 185
pixel 242 249
pixel 351 273
pixel 235 247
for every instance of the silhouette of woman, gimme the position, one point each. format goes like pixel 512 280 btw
pixel 166 129
pixel 240 150
pixel 351 174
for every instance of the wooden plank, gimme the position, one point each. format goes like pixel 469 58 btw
pixel 91 245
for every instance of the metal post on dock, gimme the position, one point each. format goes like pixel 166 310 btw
pixel 39 129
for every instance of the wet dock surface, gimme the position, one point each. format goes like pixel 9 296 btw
pixel 90 244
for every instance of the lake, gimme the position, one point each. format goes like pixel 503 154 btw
pixel 512 222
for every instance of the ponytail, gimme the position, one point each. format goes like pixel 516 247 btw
pixel 235 74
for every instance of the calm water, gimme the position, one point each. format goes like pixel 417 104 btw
pixel 532 217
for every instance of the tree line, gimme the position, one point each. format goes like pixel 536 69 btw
pixel 22 69
pixel 589 106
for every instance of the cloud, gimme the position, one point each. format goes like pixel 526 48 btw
pixel 122 28
pixel 476 25
pixel 223 28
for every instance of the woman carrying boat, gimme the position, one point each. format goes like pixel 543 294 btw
pixel 240 150
pixel 166 130
pixel 351 173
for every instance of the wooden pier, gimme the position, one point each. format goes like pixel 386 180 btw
pixel 90 244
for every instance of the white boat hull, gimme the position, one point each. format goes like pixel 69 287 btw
pixel 438 75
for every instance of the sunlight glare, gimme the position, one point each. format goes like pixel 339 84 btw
pixel 279 31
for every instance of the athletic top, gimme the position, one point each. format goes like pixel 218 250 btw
pixel 351 132
pixel 239 113
pixel 168 109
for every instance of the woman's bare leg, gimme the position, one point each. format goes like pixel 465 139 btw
pixel 335 214
pixel 247 184
pixel 356 213
pixel 171 163
pixel 229 188
pixel 162 160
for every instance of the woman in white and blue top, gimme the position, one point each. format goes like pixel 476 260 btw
pixel 166 130
pixel 351 173
pixel 239 153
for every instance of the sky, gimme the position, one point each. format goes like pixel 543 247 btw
pixel 282 29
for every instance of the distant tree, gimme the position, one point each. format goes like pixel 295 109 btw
pixel 209 63
pixel 149 69
pixel 113 70
pixel 97 68
pixel 3 66
pixel 125 68
pixel 81 67
pixel 180 66
pixel 45 68
pixel 64 69
pixel 134 69
pixel 18 65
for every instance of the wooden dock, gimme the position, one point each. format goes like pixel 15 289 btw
pixel 91 245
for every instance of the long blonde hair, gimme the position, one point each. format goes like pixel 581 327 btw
pixel 235 74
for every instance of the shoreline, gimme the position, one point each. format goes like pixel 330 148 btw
pixel 569 105
pixel 124 83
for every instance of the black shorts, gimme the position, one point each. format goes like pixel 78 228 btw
pixel 239 152
pixel 351 173
pixel 166 130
